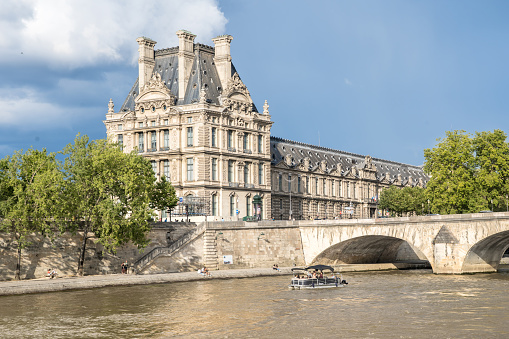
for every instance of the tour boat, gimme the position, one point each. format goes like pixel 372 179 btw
pixel 302 278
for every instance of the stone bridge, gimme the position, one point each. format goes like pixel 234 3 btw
pixel 466 243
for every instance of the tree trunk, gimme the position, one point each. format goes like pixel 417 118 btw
pixel 82 253
pixel 18 265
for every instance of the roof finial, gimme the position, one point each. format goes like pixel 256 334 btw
pixel 111 109
pixel 266 108
pixel 203 95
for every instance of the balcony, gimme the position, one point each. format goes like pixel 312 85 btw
pixel 164 148
pixel 154 149
pixel 233 184
pixel 249 185
pixel 248 151
pixel 231 149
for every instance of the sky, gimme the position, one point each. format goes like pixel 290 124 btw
pixel 380 78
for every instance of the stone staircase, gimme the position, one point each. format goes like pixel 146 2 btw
pixel 209 251
pixel 143 262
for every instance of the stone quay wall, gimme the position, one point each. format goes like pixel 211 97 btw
pixel 62 253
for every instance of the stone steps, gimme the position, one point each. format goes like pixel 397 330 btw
pixel 209 250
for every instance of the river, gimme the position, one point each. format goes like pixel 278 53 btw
pixel 396 304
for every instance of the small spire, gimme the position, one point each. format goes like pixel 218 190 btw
pixel 111 109
pixel 266 108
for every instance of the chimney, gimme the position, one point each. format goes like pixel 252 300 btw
pixel 146 60
pixel 186 57
pixel 222 58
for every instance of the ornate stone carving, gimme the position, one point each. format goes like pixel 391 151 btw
pixel 111 107
pixel 203 95
pixel 265 108
pixel 235 85
pixel 288 160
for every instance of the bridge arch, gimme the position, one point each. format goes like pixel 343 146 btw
pixel 370 249
pixel 485 255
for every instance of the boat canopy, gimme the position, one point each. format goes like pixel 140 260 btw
pixel 314 267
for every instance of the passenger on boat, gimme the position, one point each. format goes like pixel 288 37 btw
pixel 314 275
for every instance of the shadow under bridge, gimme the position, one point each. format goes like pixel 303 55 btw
pixel 371 249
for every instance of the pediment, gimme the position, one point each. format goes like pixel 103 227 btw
pixel 238 97
pixel 155 90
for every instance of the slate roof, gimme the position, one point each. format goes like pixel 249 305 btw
pixel 280 148
pixel 203 74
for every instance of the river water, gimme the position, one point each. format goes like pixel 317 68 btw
pixel 401 304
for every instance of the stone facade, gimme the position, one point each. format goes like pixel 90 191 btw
pixel 190 113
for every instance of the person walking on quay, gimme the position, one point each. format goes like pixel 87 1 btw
pixel 126 267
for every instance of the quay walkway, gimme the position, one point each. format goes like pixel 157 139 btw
pixel 43 285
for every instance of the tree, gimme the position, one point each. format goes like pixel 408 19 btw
pixel 402 200
pixel 111 194
pixel 451 166
pixel 492 164
pixel 30 187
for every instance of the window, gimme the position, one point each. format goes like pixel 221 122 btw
pixel 230 139
pixel 307 185
pixel 153 123
pixel 165 121
pixel 298 184
pixel 246 141
pixel 354 191
pixel 140 124
pixel 166 138
pixel 316 186
pixel 154 166
pixel 189 120
pixel 280 180
pixel 190 169
pixel 232 205
pixel 153 143
pixel 119 127
pixel 214 204
pixel 339 188
pixel 120 140
pixel 348 190
pixel 260 174
pixel 332 188
pixel 166 169
pixel 289 183
pixel 260 144
pixel 324 187
pixel 230 170
pixel 213 137
pixel 214 169
pixel 246 173
pixel 189 136
pixel 141 146
pixel 248 205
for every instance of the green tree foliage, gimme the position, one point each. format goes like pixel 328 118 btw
pixel 451 166
pixel 492 170
pixel 402 200
pixel 30 188
pixel 468 173
pixel 111 194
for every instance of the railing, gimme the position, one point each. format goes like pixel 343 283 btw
pixel 152 149
pixel 248 151
pixel 249 185
pixel 231 149
pixel 164 148
pixel 233 184
pixel 140 264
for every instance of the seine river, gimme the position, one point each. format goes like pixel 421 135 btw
pixel 404 304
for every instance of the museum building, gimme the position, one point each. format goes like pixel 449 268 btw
pixel 190 113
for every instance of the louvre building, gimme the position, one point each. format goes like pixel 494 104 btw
pixel 190 113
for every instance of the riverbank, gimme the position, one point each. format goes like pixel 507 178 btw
pixel 43 285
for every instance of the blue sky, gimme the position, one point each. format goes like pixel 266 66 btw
pixel 384 78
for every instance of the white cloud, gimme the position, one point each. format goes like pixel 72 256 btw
pixel 22 108
pixel 83 32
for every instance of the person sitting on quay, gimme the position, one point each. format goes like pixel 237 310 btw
pixel 206 271
pixel 51 273
pixel 275 267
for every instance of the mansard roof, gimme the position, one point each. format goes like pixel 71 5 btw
pixel 203 74
pixel 294 154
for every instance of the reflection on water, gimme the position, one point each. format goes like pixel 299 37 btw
pixel 405 304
